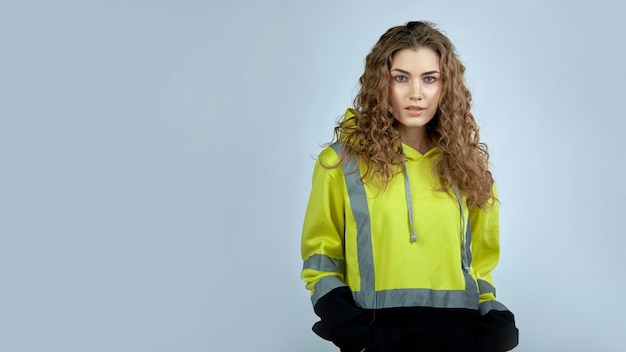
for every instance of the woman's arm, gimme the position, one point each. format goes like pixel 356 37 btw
pixel 496 324
pixel 341 320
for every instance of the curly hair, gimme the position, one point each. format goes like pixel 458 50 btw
pixel 371 134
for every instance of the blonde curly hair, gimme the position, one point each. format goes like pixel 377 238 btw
pixel 371 134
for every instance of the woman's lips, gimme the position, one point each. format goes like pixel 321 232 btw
pixel 415 110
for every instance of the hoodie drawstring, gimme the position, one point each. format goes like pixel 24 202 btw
pixel 409 201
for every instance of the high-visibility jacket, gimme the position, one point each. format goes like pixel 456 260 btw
pixel 405 256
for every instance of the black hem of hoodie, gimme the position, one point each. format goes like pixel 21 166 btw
pixel 411 328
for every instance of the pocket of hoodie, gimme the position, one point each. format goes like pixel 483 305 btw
pixel 390 339
pixel 450 340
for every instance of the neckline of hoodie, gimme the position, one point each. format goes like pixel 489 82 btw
pixel 413 154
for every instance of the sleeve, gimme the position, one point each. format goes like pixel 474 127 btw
pixel 497 330
pixel 341 320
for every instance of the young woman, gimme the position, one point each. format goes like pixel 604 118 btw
pixel 401 231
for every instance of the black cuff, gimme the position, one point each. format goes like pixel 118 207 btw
pixel 497 331
pixel 342 321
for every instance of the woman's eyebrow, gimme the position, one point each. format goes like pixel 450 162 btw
pixel 408 73
pixel 401 71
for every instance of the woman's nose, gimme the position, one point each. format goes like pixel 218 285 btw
pixel 415 91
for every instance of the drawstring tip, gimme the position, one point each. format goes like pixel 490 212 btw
pixel 413 238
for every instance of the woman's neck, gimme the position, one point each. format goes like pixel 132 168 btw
pixel 418 141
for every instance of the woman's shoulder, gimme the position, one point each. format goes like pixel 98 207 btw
pixel 330 155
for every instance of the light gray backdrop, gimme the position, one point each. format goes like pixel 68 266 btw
pixel 156 159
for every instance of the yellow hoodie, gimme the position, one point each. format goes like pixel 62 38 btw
pixel 357 237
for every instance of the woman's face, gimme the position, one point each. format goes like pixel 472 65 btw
pixel 415 89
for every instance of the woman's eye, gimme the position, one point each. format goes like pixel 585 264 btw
pixel 430 79
pixel 400 78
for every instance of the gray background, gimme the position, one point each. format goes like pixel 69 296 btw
pixel 156 159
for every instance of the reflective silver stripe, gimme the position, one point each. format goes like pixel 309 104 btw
pixel 486 306
pixel 423 297
pixel 321 262
pixel 485 287
pixel 472 296
pixel 360 211
pixel 367 297
pixel 468 242
pixel 325 285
